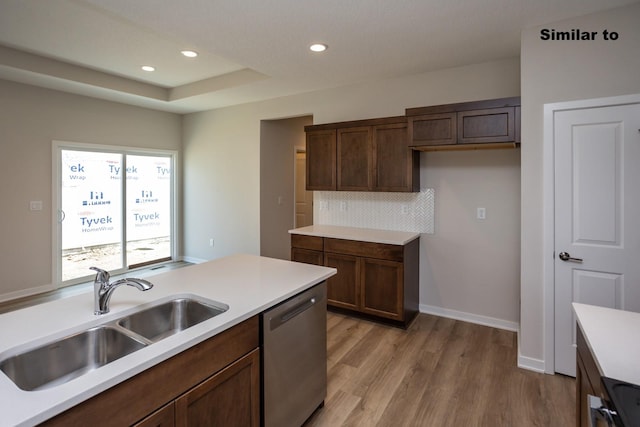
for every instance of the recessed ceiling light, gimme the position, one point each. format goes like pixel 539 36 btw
pixel 189 53
pixel 318 47
pixel 148 68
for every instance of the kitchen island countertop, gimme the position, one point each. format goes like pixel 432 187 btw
pixel 612 336
pixel 360 234
pixel 249 284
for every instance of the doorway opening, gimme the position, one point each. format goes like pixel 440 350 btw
pixel 280 141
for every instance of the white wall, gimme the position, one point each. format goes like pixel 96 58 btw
pixel 472 266
pixel 222 181
pixel 30 118
pixel 555 71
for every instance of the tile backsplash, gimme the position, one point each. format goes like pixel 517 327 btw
pixel 388 211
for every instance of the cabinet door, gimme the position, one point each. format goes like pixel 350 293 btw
pixel 321 160
pixel 163 417
pixel 355 159
pixel 382 288
pixel 306 256
pixel 343 289
pixel 487 126
pixel 229 398
pixel 433 129
pixel 396 165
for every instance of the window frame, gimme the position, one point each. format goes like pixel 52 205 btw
pixel 56 200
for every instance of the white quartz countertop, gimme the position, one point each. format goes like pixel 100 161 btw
pixel 361 234
pixel 613 336
pixel 248 284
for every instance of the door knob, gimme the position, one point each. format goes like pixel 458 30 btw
pixel 565 256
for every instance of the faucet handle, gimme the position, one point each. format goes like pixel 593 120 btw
pixel 101 275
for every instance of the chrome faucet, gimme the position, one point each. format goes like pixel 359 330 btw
pixel 102 289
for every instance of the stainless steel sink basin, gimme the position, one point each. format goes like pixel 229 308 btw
pixel 63 359
pixel 67 358
pixel 169 318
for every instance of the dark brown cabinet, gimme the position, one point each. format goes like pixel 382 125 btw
pixel 480 124
pixel 216 382
pixel 307 249
pixel 373 279
pixel 163 417
pixel 230 397
pixel 321 169
pixel 397 167
pixel 343 289
pixel 365 155
pixel 588 380
pixel 354 159
pixel 382 288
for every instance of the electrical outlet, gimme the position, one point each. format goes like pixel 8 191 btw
pixel 343 206
pixel 404 210
pixel 481 213
pixel 35 205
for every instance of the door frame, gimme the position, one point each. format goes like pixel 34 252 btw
pixel 548 214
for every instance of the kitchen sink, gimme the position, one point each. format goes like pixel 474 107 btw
pixel 67 358
pixel 169 318
pixel 61 360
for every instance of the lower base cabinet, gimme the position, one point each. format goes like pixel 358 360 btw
pixel 342 289
pixel 216 382
pixel 163 417
pixel 587 380
pixel 373 279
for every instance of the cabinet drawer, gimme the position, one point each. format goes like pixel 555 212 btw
pixel 364 249
pixel 307 242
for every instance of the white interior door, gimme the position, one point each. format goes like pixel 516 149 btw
pixel 597 216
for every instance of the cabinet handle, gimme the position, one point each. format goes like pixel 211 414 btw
pixel 566 256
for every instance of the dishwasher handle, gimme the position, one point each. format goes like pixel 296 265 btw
pixel 277 321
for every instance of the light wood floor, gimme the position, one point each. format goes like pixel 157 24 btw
pixel 439 372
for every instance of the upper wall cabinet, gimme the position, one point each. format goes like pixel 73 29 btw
pixel 482 124
pixel 321 149
pixel 364 155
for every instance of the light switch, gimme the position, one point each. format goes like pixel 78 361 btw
pixel 35 205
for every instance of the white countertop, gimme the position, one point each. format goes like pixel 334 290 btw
pixel 613 336
pixel 361 234
pixel 248 284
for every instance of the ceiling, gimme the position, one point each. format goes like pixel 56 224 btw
pixel 251 50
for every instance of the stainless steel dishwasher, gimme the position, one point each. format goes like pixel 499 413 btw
pixel 294 356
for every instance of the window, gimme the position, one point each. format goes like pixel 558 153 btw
pixel 115 209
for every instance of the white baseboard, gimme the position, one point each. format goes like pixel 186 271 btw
pixel 469 317
pixel 531 364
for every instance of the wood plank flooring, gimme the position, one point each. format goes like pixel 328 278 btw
pixel 439 372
